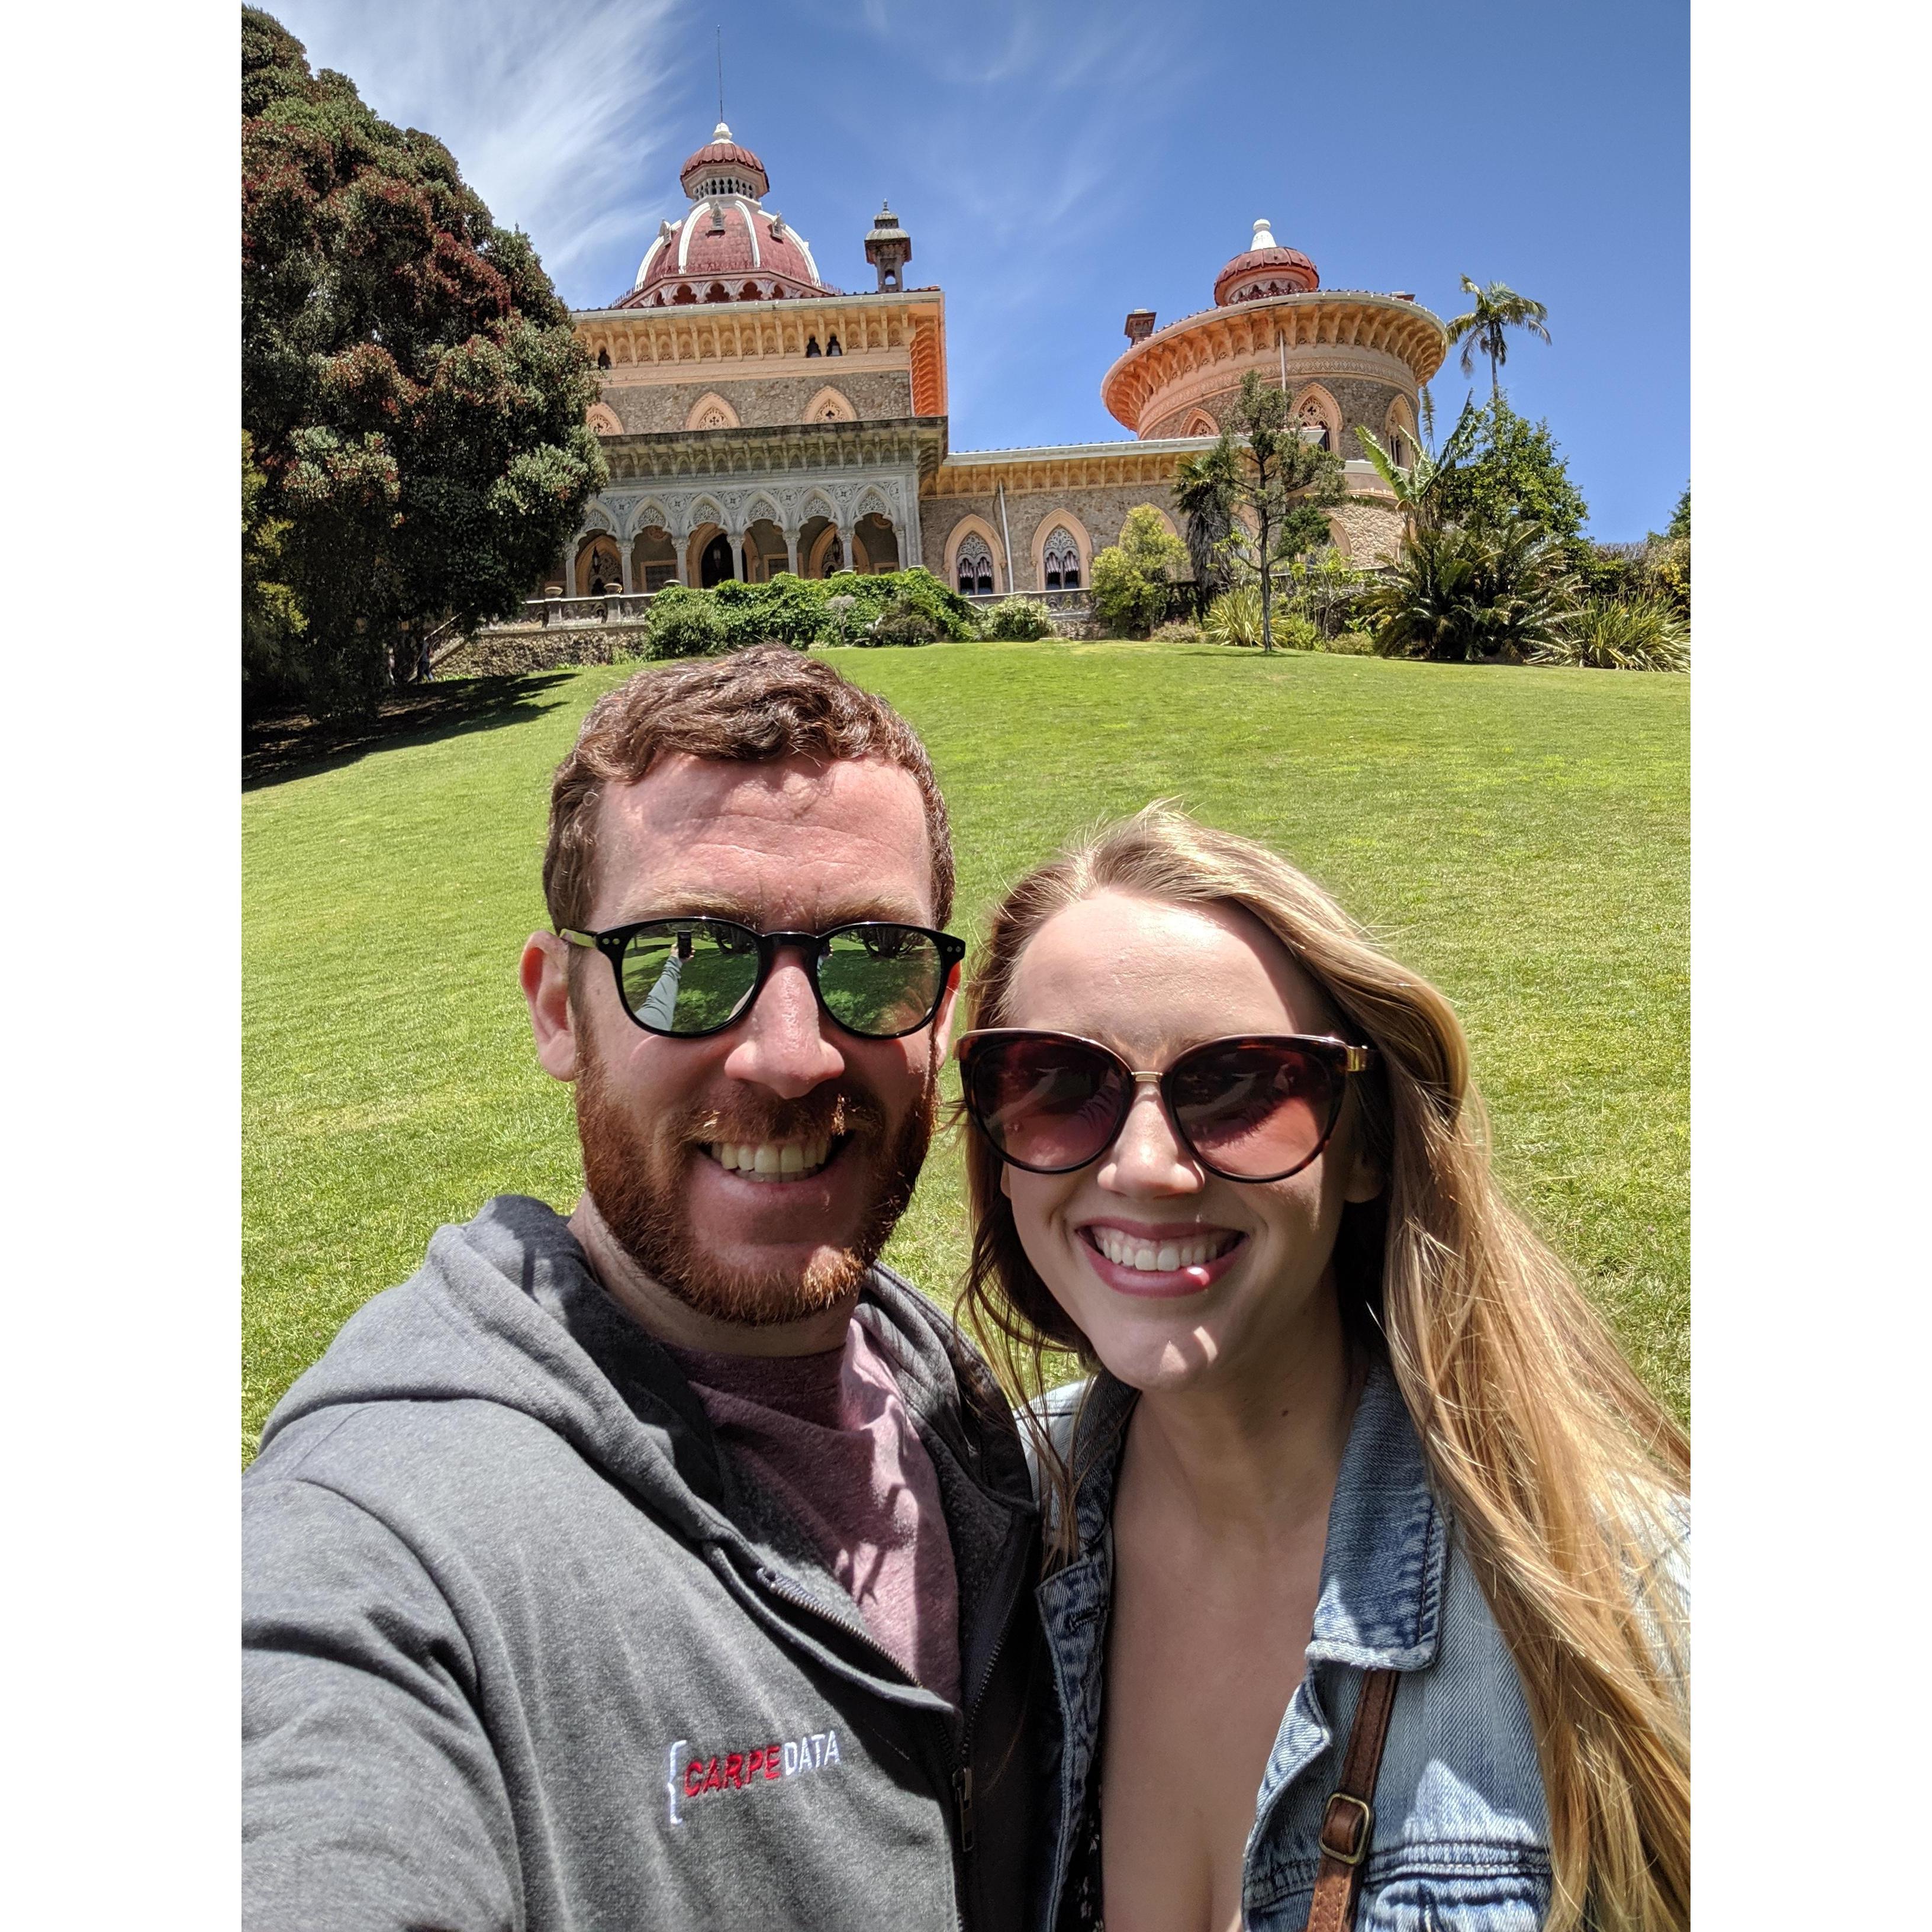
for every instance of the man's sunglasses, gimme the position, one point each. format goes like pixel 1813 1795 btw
pixel 1253 1108
pixel 690 977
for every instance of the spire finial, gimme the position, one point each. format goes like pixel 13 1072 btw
pixel 720 77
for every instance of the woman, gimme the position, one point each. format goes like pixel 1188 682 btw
pixel 1365 1576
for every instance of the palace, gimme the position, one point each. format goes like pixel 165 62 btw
pixel 757 419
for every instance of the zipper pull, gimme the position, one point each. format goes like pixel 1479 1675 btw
pixel 962 1802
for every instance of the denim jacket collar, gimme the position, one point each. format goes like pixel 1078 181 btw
pixel 1380 1607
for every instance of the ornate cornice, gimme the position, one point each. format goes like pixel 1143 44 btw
pixel 1078 466
pixel 703 340
pixel 1135 388
pixel 777 448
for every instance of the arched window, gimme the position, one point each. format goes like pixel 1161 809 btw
pixel 603 358
pixel 1061 556
pixel 832 347
pixel 975 567
pixel 1313 428
pixel 812 347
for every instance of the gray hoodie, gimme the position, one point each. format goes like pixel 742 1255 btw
pixel 522 1651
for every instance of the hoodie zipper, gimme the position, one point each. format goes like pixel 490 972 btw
pixel 960 1754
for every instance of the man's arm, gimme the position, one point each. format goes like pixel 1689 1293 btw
pixel 371 1800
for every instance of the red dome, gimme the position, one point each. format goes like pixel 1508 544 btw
pixel 721 155
pixel 1265 269
pixel 728 246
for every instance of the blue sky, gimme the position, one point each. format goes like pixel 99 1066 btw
pixel 1057 165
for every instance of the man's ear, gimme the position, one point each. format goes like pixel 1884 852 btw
pixel 942 1020
pixel 544 972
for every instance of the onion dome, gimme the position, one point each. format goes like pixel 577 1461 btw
pixel 1266 268
pixel 728 246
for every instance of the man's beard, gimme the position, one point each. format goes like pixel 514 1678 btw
pixel 637 1176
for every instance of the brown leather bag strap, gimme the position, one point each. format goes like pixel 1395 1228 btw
pixel 1349 1821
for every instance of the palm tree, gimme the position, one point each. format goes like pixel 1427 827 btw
pixel 1497 308
pixel 1415 487
pixel 1204 490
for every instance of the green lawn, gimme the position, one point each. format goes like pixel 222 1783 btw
pixel 1519 835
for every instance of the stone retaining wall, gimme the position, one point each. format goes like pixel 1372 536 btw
pixel 509 649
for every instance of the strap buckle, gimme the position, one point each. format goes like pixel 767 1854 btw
pixel 1345 1838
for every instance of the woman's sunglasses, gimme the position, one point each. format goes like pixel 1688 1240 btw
pixel 689 977
pixel 1253 1108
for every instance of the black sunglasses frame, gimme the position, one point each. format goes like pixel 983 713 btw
pixel 1343 1058
pixel 613 939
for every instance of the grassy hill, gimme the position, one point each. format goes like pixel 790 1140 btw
pixel 1519 835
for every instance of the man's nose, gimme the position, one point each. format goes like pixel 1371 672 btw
pixel 782 1044
pixel 1148 1157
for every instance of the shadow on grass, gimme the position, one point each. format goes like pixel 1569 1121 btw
pixel 291 744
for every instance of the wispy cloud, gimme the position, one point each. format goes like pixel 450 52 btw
pixel 556 115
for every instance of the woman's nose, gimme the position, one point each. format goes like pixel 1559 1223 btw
pixel 1147 1157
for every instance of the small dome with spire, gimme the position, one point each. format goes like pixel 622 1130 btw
pixel 729 247
pixel 1264 268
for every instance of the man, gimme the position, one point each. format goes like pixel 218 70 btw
pixel 671 1566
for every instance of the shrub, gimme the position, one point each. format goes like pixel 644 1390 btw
pixel 1294 632
pixel 1234 617
pixel 684 623
pixel 1131 577
pixel 1460 596
pixel 788 610
pixel 1669 559
pixel 1178 631
pixel 1640 634
pixel 1019 619
pixel 1352 644
pixel 901 621
pixel 952 616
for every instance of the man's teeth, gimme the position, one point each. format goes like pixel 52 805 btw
pixel 1159 1257
pixel 771 1160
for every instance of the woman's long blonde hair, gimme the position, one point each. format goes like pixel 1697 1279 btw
pixel 1561 1471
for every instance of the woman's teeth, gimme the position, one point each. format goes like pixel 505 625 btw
pixel 772 1160
pixel 1159 1257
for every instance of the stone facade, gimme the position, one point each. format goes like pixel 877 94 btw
pixel 760 402
pixel 1092 516
pixel 1357 399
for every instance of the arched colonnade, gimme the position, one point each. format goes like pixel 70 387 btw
pixel 711 551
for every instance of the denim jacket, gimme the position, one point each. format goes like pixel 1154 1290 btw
pixel 1460 1840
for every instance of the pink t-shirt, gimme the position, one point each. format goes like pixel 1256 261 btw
pixel 830 1434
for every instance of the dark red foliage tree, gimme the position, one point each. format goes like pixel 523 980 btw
pixel 409 378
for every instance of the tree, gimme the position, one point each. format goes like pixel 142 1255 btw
pixel 1679 526
pixel 1204 493
pixel 1417 488
pixel 271 620
pixel 1484 329
pixel 1279 484
pixel 1516 475
pixel 415 395
pixel 1131 577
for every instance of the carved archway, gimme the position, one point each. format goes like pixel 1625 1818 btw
pixel 830 405
pixel 603 419
pixel 1314 406
pixel 599 566
pixel 1202 423
pixel 711 411
pixel 1044 532
pixel 1398 435
pixel 978 528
